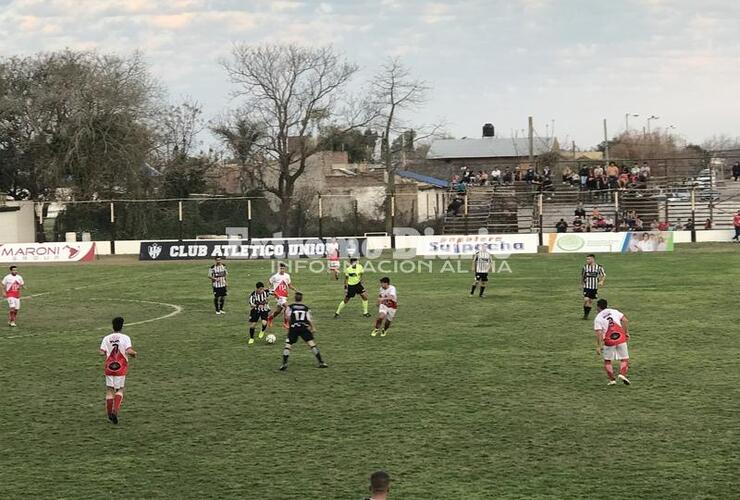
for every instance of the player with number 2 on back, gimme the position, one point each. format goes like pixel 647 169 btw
pixel 610 326
pixel 116 347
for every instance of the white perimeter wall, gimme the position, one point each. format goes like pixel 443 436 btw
pixel 17 226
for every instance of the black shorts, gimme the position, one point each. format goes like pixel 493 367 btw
pixel 256 315
pixel 481 276
pixel 590 293
pixel 219 291
pixel 302 332
pixel 353 290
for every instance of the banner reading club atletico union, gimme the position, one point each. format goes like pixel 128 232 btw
pixel 47 252
pixel 268 248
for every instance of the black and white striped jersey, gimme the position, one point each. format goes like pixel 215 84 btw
pixel 482 261
pixel 259 300
pixel 218 274
pixel 591 275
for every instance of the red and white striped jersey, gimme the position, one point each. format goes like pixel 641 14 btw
pixel 279 284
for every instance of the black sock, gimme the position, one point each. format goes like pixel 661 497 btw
pixel 221 301
pixel 251 333
pixel 215 303
pixel 317 353
pixel 472 290
pixel 586 310
pixel 286 353
pixel 481 290
pixel 264 326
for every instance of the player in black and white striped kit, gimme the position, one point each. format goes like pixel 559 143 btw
pixel 217 274
pixel 592 277
pixel 481 268
pixel 259 310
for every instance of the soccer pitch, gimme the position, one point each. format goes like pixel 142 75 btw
pixel 466 398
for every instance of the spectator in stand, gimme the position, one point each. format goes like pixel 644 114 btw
pixel 461 189
pixel 677 226
pixel 638 224
pixel 612 172
pixel 567 175
pixel 547 171
pixel 577 225
pixel 663 226
pixel 608 224
pixel 496 176
pixel 454 207
pixel 708 224
pixel 483 178
pixel 561 226
pixel 595 213
pixel 623 180
pixel 644 174
pixel 598 171
pixel 529 176
pixel 583 174
pixel 547 184
pixel 508 176
pixel 580 211
pixel 455 180
pixel 635 169
pixel 689 226
pixel 736 171
pixel 736 223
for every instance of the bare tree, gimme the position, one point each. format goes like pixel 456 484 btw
pixel 395 91
pixel 293 93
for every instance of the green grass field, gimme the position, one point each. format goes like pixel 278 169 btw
pixel 502 397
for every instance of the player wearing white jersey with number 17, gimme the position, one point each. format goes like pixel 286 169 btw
pixel 612 335
pixel 387 307
pixel 12 285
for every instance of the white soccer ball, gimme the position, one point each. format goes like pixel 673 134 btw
pixel 271 339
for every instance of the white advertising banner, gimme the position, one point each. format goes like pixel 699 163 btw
pixel 466 245
pixel 47 252
pixel 641 241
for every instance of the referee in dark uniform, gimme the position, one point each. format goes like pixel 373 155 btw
pixel 592 277
pixel 300 325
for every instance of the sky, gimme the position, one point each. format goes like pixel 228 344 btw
pixel 568 63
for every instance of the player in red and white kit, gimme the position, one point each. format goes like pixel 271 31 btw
pixel 116 347
pixel 12 285
pixel 332 254
pixel 387 307
pixel 610 326
pixel 280 284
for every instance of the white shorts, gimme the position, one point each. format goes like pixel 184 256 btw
pixel 615 352
pixel 281 300
pixel 389 312
pixel 334 264
pixel 14 303
pixel 115 382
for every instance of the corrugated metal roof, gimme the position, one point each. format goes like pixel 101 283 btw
pixel 487 147
pixel 433 181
